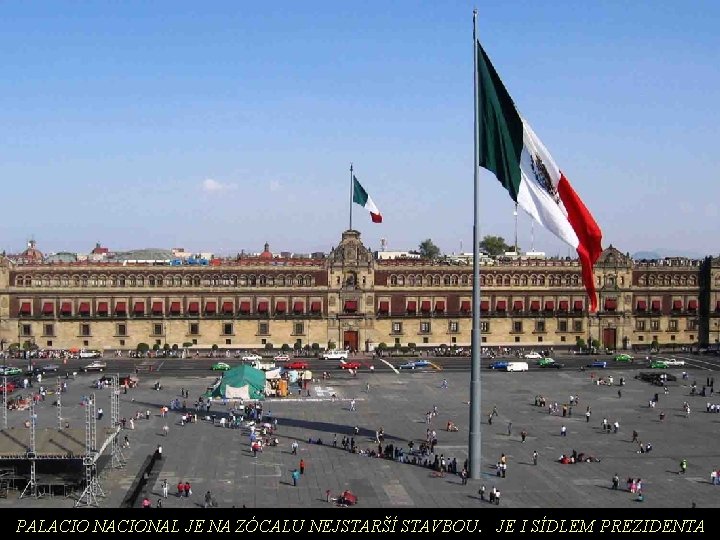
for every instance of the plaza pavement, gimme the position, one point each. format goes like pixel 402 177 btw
pixel 219 459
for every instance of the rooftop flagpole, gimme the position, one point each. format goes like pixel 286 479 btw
pixel 475 443
pixel 352 185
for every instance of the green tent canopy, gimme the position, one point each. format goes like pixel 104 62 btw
pixel 242 382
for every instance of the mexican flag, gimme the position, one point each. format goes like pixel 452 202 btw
pixel 510 149
pixel 361 197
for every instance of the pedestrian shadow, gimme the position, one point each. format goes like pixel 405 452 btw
pixel 284 483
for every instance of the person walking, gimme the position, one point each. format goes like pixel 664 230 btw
pixel 587 416
pixel 208 499
pixel 563 431
pixel 295 477
pixel 509 428
pixel 683 466
pixel 302 466
pixel 535 457
pixel 187 489
pixel 165 488
pixel 481 492
pixel 615 481
pixel 352 405
pixel 367 388
pixel 294 447
pixel 158 451
pixel 463 477
pixel 523 435
pixel 180 488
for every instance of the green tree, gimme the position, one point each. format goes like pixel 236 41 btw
pixel 315 346
pixel 166 346
pixel 156 347
pixel 143 347
pixel 188 344
pixel 494 245
pixel 268 346
pixel 412 346
pixel 285 347
pixel 175 347
pixel 580 342
pixel 428 250
pixel 331 345
pixel 214 347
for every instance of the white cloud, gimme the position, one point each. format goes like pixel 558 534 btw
pixel 275 185
pixel 213 186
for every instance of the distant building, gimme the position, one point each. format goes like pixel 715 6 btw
pixel 391 255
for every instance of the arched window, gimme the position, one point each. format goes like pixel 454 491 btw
pixel 281 281
pixel 401 281
pixel 533 280
pixel 524 281
pixel 46 281
pixel 262 280
pixel 252 281
pixel 102 281
pixel 83 281
pixel 506 280
pixel 446 280
pixel 482 280
pixel 56 281
pixel 271 281
pixel 243 280
pixel 516 280
pixel 575 279
pixel 436 280
pixel 489 280
pixel 133 281
pixel 464 280
pixel 541 281
pixel 301 281
pixel 411 281
pixel 187 281
pixel 642 280
pixel 76 281
pixel 215 280
pixel 196 281
pixel 64 281
pixel 160 280
pixel 151 281
pixel 393 280
pixel 177 280
pixel 651 281
pixel 19 281
pixel 692 280
pixel 233 281
pixel 683 280
pixel 141 281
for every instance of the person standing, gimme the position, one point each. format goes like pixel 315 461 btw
pixel 187 489
pixel 481 492
pixel 683 466
pixel 158 451
pixel 180 488
pixel 165 488
pixel 352 405
pixel 615 481
pixel 463 477
pixel 509 428
pixel 563 431
pixel 535 457
pixel 523 435
pixel 587 416
pixel 294 447
pixel 295 477
pixel 302 466
pixel 208 499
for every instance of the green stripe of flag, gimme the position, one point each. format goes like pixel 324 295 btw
pixel 501 128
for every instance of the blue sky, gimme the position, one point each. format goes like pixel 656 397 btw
pixel 219 126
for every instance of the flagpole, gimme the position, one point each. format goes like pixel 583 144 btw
pixel 475 443
pixel 351 194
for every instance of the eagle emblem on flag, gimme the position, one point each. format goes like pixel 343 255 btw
pixel 542 177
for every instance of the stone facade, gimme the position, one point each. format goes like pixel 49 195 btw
pixel 353 300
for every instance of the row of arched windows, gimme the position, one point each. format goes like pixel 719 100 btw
pixel 506 280
pixel 164 280
pixel 668 280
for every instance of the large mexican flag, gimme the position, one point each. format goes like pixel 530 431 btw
pixel 361 197
pixel 522 164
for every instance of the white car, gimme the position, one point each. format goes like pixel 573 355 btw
pixel 336 355
pixel 251 358
pixel 673 362
pixel 533 356
pixel 282 358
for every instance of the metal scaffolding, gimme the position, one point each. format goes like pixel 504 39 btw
pixel 92 490
pixel 118 460
pixel 31 489
pixel 58 393
pixel 5 403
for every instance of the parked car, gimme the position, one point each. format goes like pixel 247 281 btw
pixel 251 357
pixel 499 364
pixel 624 358
pixel 545 362
pixel 674 362
pixel 297 364
pixel 602 364
pixel 220 366
pixel 415 364
pixel 10 387
pixel 553 364
pixel 10 370
pixel 349 365
pixel 533 356
pixel 282 358
pixel 95 366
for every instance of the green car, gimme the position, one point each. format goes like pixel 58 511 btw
pixel 545 362
pixel 624 358
pixel 658 364
pixel 221 366
pixel 9 370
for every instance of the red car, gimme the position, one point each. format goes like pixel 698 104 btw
pixel 10 387
pixel 297 364
pixel 350 365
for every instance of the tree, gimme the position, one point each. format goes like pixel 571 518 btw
pixel 285 347
pixel 428 250
pixel 188 344
pixel 175 347
pixel 494 245
pixel 166 347
pixel 331 345
pixel 315 346
pixel 412 346
pixel 268 346
pixel 595 344
pixel 156 347
pixel 143 347
pixel 214 347
pixel 580 342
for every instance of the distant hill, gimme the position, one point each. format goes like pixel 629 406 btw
pixel 662 253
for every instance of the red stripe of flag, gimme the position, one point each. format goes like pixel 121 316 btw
pixel 588 233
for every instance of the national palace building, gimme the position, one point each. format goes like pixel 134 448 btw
pixel 353 299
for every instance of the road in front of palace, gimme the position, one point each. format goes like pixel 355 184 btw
pixel 202 364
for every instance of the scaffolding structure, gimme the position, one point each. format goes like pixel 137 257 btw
pixel 93 490
pixel 31 489
pixel 58 393
pixel 118 460
pixel 5 403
